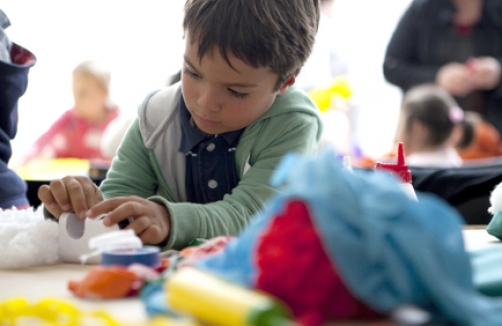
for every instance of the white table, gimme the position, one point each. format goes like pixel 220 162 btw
pixel 476 237
pixel 36 283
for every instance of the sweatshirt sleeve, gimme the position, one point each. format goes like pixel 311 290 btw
pixel 296 132
pixel 131 172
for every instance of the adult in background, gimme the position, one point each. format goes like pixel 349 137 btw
pixel 456 44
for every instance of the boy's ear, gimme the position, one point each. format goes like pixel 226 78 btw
pixel 287 83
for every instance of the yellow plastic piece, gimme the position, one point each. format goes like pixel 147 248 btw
pixel 168 321
pixel 323 97
pixel 49 312
pixel 49 169
pixel 218 302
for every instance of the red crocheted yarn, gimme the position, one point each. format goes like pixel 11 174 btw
pixel 293 266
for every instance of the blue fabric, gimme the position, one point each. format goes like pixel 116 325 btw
pixel 13 83
pixel 153 296
pixel 210 160
pixel 389 249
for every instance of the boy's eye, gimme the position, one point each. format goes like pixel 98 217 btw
pixel 238 94
pixel 191 74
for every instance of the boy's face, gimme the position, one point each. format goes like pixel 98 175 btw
pixel 221 98
pixel 89 96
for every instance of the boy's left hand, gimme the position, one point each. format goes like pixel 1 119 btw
pixel 152 222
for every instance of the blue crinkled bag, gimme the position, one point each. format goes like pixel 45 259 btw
pixel 390 250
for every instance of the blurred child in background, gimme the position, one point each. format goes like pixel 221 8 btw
pixel 77 133
pixel 431 125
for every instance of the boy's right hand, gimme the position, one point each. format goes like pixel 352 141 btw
pixel 70 194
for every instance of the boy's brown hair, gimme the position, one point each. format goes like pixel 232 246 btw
pixel 278 34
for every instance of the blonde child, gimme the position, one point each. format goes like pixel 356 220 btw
pixel 77 133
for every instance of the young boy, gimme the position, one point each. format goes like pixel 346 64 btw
pixel 197 161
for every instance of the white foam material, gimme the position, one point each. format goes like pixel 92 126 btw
pixel 27 239
pixel 496 200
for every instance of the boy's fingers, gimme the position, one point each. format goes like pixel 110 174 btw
pixel 58 191
pixel 123 208
pixel 140 225
pixel 148 232
pixel 91 193
pixel 45 196
pixel 76 195
pixel 106 206
pixel 152 235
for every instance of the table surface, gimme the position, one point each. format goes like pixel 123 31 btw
pixel 36 283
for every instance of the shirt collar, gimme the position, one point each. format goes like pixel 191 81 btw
pixel 192 136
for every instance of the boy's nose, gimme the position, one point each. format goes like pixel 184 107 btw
pixel 208 99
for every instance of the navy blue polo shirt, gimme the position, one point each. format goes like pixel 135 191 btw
pixel 210 160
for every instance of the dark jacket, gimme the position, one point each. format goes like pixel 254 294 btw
pixel 13 83
pixel 416 50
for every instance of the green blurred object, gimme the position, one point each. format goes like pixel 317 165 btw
pixel 197 242
pixel 487 270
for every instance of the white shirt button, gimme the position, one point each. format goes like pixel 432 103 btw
pixel 212 184
pixel 210 147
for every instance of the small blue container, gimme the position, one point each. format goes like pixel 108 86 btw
pixel 147 255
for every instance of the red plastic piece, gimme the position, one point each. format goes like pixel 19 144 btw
pixel 401 169
pixel 294 267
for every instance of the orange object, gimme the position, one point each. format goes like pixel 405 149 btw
pixel 109 282
pixel 188 251
pixel 486 143
pixel 364 162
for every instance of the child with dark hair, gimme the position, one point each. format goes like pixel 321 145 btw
pixel 196 163
pixel 431 125
pixel 15 63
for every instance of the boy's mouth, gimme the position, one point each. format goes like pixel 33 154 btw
pixel 203 121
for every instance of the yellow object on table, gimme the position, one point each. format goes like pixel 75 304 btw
pixel 49 312
pixel 218 302
pixel 323 97
pixel 56 312
pixel 49 169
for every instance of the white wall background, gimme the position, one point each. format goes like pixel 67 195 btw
pixel 141 41
pixel 362 30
